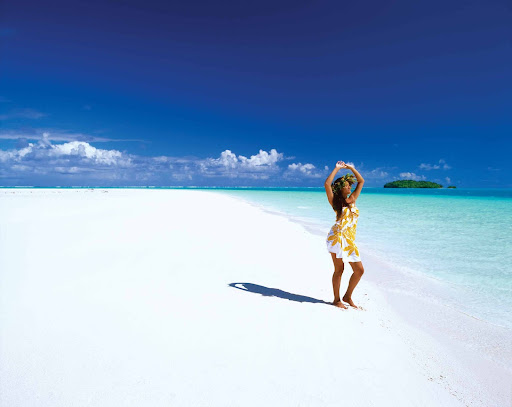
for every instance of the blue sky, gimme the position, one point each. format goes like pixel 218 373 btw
pixel 254 93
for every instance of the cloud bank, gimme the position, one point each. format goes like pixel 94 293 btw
pixel 80 163
pixel 46 162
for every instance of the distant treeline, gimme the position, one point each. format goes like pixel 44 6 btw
pixel 409 183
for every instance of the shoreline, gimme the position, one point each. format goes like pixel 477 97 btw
pixel 449 324
pixel 446 325
pixel 275 316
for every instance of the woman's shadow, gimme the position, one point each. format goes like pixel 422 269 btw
pixel 275 292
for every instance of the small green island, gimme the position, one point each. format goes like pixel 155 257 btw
pixel 409 183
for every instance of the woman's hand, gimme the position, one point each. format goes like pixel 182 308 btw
pixel 341 164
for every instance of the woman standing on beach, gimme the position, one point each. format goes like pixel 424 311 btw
pixel 341 237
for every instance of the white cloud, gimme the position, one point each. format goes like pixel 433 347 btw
pixel 412 175
pixel 67 158
pixel 75 149
pixel 227 159
pixel 442 164
pixel 448 180
pixel 231 160
pixel 86 152
pixel 258 166
pixel 262 158
pixel 303 170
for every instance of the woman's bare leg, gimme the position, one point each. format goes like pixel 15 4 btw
pixel 358 270
pixel 336 280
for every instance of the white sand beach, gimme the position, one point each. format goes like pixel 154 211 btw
pixel 112 297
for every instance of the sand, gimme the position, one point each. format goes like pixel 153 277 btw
pixel 192 298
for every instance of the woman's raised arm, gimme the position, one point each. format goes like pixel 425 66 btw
pixel 330 178
pixel 360 182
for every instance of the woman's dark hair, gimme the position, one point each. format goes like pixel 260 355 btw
pixel 338 202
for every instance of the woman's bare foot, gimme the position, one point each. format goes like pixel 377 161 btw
pixel 339 304
pixel 349 301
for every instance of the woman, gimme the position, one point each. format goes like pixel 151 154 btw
pixel 341 237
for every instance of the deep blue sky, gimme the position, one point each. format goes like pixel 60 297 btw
pixel 402 89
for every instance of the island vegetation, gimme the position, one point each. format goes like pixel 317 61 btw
pixel 452 186
pixel 409 183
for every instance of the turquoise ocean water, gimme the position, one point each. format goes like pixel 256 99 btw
pixel 460 238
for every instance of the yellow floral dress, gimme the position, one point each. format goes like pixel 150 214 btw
pixel 342 236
